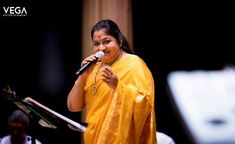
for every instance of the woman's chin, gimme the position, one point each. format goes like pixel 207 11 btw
pixel 106 61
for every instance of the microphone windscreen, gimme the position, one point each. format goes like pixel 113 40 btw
pixel 99 54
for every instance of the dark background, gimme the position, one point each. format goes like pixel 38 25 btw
pixel 172 36
pixel 40 54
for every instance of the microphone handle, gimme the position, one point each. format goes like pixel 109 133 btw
pixel 86 66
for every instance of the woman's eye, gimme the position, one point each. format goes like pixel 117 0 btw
pixel 96 44
pixel 106 42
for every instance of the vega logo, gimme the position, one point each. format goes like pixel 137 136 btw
pixel 14 11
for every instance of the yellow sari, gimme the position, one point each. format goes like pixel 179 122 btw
pixel 125 115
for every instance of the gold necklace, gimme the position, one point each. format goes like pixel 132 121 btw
pixel 94 84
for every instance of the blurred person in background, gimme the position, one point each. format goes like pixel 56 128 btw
pixel 18 124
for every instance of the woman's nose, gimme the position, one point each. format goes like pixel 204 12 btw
pixel 102 47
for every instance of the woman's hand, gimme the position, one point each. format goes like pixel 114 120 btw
pixel 86 60
pixel 109 77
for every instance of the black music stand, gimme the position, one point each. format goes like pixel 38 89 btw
pixel 45 116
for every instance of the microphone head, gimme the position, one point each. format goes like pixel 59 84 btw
pixel 99 54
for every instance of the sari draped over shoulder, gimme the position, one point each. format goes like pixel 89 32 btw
pixel 125 115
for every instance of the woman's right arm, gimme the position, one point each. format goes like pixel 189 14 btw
pixel 75 98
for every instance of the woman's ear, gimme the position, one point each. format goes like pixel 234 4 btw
pixel 121 42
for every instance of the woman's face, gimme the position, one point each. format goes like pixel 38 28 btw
pixel 107 44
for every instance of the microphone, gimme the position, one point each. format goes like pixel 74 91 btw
pixel 98 55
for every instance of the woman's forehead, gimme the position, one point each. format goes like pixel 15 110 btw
pixel 100 35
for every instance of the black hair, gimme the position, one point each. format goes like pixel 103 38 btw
pixel 112 29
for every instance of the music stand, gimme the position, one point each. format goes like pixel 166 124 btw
pixel 46 117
